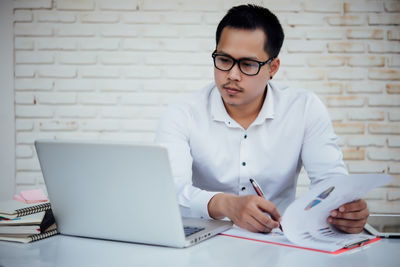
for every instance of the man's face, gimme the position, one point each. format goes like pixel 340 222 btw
pixel 236 88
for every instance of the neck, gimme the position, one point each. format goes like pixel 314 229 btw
pixel 246 114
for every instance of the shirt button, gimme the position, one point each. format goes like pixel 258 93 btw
pixel 243 188
pixel 244 163
pixel 245 136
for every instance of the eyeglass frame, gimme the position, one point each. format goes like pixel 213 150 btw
pixel 237 61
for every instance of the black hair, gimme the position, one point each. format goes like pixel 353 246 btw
pixel 252 17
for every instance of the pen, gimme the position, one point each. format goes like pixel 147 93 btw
pixel 260 193
pixel 257 188
pixel 359 243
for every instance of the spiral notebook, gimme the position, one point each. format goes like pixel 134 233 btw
pixel 12 209
pixel 52 230
pixel 15 215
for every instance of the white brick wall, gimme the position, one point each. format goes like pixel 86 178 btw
pixel 98 69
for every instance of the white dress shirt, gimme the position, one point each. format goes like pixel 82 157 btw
pixel 211 153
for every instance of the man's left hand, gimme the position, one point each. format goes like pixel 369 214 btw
pixel 350 217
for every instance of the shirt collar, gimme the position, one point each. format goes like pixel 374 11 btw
pixel 217 108
pixel 267 110
pixel 219 113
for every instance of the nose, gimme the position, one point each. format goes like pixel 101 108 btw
pixel 235 74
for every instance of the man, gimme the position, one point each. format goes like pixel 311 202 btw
pixel 244 127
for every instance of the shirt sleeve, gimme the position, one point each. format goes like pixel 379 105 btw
pixel 174 134
pixel 320 154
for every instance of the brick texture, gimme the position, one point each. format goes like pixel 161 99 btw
pixel 97 69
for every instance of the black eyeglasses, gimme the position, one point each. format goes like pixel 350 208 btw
pixel 247 66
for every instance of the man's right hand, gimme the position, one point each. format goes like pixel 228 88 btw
pixel 248 212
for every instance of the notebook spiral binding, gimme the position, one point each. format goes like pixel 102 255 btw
pixel 33 209
pixel 43 235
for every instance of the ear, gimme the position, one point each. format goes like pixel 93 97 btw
pixel 274 67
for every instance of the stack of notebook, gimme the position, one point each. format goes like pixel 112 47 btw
pixel 25 223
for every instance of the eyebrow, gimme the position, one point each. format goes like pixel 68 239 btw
pixel 226 54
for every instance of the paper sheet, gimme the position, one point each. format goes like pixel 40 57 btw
pixel 305 220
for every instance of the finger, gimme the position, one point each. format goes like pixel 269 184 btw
pixel 353 206
pixel 251 217
pixel 254 225
pixel 350 230
pixel 248 227
pixel 245 225
pixel 262 218
pixel 261 212
pixel 358 215
pixel 254 220
pixel 270 208
pixel 347 223
pixel 266 221
pixel 263 230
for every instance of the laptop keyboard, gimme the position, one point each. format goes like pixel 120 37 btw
pixel 190 230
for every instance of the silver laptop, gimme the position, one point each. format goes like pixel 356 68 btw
pixel 121 192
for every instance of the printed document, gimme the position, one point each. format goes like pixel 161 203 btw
pixel 305 222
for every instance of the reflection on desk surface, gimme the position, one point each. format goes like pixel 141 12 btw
pixel 219 251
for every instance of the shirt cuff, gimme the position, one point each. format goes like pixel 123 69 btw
pixel 199 205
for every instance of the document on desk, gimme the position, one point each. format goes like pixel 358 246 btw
pixel 305 222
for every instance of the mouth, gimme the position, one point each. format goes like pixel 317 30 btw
pixel 231 90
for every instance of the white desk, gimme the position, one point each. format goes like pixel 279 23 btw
pixel 219 251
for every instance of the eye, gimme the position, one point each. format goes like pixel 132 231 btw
pixel 249 64
pixel 224 59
